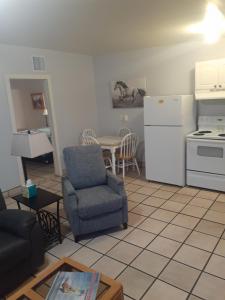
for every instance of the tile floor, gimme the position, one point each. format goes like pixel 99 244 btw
pixel 173 248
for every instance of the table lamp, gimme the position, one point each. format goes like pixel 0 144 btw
pixel 29 144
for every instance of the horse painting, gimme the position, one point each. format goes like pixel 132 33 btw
pixel 126 96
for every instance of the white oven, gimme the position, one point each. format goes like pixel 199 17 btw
pixel 206 156
pixel 206 163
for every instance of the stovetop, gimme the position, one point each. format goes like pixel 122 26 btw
pixel 210 127
pixel 208 134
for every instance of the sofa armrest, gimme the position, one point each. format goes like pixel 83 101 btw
pixel 115 183
pixel 17 222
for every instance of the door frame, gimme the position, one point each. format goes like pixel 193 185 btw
pixel 56 153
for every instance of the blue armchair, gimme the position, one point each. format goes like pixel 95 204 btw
pixel 94 199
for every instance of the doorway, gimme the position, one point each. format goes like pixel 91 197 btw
pixel 31 108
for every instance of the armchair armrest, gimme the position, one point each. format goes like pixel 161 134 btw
pixel 17 222
pixel 116 183
pixel 68 187
pixel 70 199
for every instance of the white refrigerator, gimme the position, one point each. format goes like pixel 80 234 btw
pixel 167 120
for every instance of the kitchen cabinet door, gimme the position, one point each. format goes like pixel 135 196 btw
pixel 206 75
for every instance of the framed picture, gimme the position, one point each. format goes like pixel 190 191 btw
pixel 38 101
pixel 128 93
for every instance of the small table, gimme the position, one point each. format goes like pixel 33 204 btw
pixel 37 289
pixel 48 222
pixel 111 143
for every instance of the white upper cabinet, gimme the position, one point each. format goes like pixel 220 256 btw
pixel 210 80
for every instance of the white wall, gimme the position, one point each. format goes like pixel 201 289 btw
pixel 26 116
pixel 73 90
pixel 168 70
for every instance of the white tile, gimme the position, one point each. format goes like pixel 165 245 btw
pixel 180 275
pixel 209 227
pixel 164 246
pixel 121 233
pixel 202 241
pixel 135 283
pixel 192 256
pixel 185 221
pixel 173 206
pixel 163 291
pixel 154 201
pixel 109 266
pixel 132 187
pixel 201 202
pixel 210 287
pixel 220 248
pixel 163 194
pixel 124 252
pixel 188 191
pixel 144 210
pixel 208 194
pixel 194 211
pixel 135 219
pixel 139 238
pixel 67 248
pixel 86 256
pixel 175 233
pixel 215 216
pixel 135 197
pixel 150 263
pixel 152 225
pixel 146 191
pixel 216 266
pixel 181 198
pixel 102 243
pixel 163 215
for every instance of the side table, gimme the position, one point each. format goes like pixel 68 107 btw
pixel 49 223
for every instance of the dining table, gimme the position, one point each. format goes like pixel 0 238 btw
pixel 111 143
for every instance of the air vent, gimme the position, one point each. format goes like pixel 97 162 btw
pixel 38 63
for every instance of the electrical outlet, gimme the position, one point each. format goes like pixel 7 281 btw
pixel 126 118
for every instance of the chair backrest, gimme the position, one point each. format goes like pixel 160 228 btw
pixel 2 202
pixel 89 132
pixel 128 146
pixel 89 140
pixel 124 131
pixel 85 166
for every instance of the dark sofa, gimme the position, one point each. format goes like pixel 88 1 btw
pixel 21 246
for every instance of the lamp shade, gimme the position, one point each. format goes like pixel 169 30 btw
pixel 30 145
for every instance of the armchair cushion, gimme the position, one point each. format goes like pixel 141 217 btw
pixel 17 222
pixel 85 166
pixel 96 201
pixel 12 251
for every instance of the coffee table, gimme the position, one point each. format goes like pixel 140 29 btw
pixel 48 221
pixel 37 289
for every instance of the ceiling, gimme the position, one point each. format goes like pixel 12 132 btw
pixel 98 26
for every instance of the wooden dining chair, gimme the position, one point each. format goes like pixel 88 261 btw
pixel 124 131
pixel 90 140
pixel 127 154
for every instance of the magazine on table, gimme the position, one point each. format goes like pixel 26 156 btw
pixel 74 286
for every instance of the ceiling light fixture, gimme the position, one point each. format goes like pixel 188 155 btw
pixel 212 26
